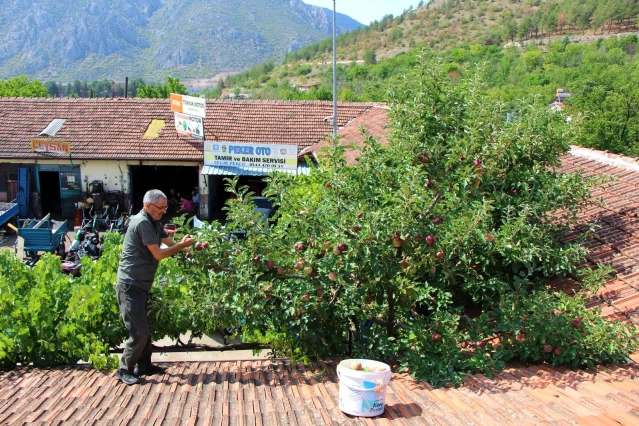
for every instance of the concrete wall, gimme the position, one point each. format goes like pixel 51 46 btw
pixel 114 174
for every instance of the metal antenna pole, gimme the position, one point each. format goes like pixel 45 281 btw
pixel 334 73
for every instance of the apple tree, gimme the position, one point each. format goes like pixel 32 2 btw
pixel 433 252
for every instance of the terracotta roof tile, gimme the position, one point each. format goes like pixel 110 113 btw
pixel 267 393
pixel 115 128
pixel 278 393
pixel 374 121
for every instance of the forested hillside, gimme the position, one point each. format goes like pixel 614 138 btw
pixel 519 48
pixel 150 39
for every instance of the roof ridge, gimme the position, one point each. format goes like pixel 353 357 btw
pixel 604 157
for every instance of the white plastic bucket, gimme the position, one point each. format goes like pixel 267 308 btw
pixel 362 393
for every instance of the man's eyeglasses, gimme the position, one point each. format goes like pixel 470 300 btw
pixel 160 207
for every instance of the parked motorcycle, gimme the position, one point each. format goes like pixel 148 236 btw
pixel 87 242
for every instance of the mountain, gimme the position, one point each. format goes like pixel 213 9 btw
pixel 90 40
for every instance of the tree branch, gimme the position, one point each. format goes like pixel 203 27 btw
pixel 436 200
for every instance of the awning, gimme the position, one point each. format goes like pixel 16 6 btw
pixel 302 169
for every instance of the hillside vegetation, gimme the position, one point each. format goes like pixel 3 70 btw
pixel 520 49
pixel 150 39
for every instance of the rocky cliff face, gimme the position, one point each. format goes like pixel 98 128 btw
pixel 93 39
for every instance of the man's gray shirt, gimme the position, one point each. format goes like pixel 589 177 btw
pixel 137 264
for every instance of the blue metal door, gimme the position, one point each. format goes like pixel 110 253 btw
pixel 24 190
pixel 70 191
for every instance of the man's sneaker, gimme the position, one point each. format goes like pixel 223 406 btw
pixel 127 377
pixel 151 370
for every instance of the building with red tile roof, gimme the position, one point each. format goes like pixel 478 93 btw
pixel 132 145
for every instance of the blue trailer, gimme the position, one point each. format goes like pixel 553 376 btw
pixel 42 235
pixel 7 212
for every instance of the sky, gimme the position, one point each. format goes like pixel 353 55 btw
pixel 366 11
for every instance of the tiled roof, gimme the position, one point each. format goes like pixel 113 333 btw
pixel 278 393
pixel 114 128
pixel 374 121
pixel 272 393
pixel 616 238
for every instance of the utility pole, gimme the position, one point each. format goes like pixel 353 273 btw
pixel 334 73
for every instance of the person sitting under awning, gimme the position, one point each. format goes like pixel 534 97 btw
pixel 187 206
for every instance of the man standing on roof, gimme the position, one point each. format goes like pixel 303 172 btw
pixel 141 253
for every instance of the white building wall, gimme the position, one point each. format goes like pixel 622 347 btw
pixel 115 173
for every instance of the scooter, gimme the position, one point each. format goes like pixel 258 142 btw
pixel 87 242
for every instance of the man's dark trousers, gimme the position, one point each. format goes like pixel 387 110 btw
pixel 133 307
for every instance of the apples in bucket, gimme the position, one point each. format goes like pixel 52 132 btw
pixel 357 365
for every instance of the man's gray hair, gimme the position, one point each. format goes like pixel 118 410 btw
pixel 152 196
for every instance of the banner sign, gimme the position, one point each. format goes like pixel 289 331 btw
pixel 45 145
pixel 189 125
pixel 188 105
pixel 237 154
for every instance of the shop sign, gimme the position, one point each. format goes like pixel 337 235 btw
pixel 48 146
pixel 247 155
pixel 189 125
pixel 188 105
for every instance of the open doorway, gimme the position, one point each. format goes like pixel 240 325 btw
pixel 183 180
pixel 219 195
pixel 50 195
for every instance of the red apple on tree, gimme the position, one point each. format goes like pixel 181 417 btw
pixel 425 157
pixel 558 351
pixel 547 349
pixel 430 240
pixel 332 276
pixel 437 337
pixel 437 220
pixel 280 270
pixel 342 247
pixel 360 214
pixel 326 244
pixel 198 246
pixel 256 259
pixel 337 251
pixel 205 244
pixel 308 270
pixel 305 297
pixel 439 254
